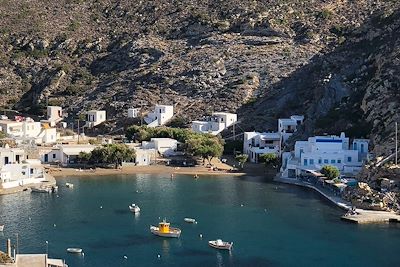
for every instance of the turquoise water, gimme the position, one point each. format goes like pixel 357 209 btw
pixel 278 225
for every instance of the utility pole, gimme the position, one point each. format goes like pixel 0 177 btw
pixel 234 135
pixel 396 145
pixel 78 131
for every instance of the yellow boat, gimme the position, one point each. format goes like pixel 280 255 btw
pixel 165 230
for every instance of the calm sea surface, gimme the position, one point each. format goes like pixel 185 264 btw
pixel 270 224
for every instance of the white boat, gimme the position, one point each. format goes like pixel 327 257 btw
pixel 41 189
pixel 165 230
pixel 74 250
pixel 190 220
pixel 134 208
pixel 69 185
pixel 1 227
pixel 219 244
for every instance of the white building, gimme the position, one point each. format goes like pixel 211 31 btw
pixel 256 144
pixel 28 129
pixel 160 115
pixel 95 117
pixel 19 174
pixel 64 154
pixel 286 127
pixel 54 115
pixel 215 124
pixel 144 157
pixel 164 146
pixel 319 151
pixel 133 112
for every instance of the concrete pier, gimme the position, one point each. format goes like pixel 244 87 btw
pixel 50 181
pixel 361 216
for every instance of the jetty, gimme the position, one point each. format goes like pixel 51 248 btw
pixel 359 216
pixel 371 216
pixel 48 182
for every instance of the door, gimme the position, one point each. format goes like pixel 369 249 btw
pixel 6 160
pixel 46 157
pixel 17 158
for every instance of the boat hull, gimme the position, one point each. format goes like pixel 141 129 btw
pixel 1 228
pixel 224 246
pixel 74 250
pixel 174 232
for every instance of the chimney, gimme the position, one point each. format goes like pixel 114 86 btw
pixel 9 248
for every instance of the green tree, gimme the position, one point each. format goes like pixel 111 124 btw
pixel 270 159
pixel 204 146
pixel 117 153
pixel 84 158
pixel 242 158
pixel 331 172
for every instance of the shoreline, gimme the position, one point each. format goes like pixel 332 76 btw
pixel 361 217
pixel 152 169
pixel 50 181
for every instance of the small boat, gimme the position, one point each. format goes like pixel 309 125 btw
pixel 165 230
pixel 74 250
pixel 1 227
pixel 41 190
pixel 54 189
pixel 219 244
pixel 134 208
pixel 190 220
pixel 69 185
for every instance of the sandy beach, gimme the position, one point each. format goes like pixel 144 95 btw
pixel 155 169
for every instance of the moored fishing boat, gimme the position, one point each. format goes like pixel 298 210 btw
pixel 134 208
pixel 74 250
pixel 189 220
pixel 69 185
pixel 219 244
pixel 165 230
pixel 41 190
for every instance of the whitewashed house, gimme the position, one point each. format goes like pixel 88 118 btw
pixel 319 151
pixel 64 154
pixel 95 117
pixel 18 174
pixel 133 112
pixel 144 157
pixel 11 155
pixel 54 115
pixel 286 127
pixel 29 129
pixel 164 146
pixel 255 144
pixel 160 115
pixel 215 123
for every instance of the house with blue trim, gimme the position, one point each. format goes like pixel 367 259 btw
pixel 319 151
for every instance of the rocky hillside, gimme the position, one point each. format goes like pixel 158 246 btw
pixel 335 61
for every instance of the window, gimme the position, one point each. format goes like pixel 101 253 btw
pixel 333 161
pixel 301 151
pixel 362 148
pixel 54 156
pixel 326 161
pixel 348 159
pixel 355 146
pixel 311 161
pixel 305 162
pixel 339 161
pixel 319 161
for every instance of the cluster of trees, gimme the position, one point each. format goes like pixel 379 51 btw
pixel 108 154
pixel 205 146
pixel 331 172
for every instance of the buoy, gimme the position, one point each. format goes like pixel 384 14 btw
pixel 54 225
pixel 30 218
pixel 241 205
pixel 200 235
pixel 158 256
pixel 101 207
pixel 125 257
